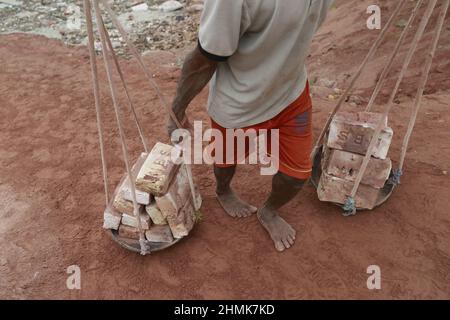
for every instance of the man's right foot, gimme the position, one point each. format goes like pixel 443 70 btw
pixel 234 206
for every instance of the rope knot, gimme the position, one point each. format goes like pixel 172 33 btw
pixel 349 207
pixel 144 248
pixel 395 179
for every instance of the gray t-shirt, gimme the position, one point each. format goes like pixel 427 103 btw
pixel 262 46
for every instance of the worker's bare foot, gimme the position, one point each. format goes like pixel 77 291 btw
pixel 234 206
pixel 282 234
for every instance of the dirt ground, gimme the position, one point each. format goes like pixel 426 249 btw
pixel 51 192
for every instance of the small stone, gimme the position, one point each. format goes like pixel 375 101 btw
pixel 401 23
pixel 170 6
pixel 318 91
pixel 140 7
pixel 97 46
pixel 195 8
pixel 337 91
pixel 159 234
pixel 356 100
pixel 326 83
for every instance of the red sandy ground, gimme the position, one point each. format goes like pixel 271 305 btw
pixel 52 198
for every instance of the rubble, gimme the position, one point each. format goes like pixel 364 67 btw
pixel 149 27
pixel 170 6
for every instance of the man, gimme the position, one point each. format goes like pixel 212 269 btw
pixel 254 52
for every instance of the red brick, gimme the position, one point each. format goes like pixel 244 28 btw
pixel 346 165
pixel 111 218
pixel 155 214
pixel 132 221
pixel 158 170
pixel 333 189
pixel 142 197
pixel 159 234
pixel 125 206
pixel 128 232
pixel 353 132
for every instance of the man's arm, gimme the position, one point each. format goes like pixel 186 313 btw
pixel 197 71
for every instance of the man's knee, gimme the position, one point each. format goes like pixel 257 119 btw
pixel 291 181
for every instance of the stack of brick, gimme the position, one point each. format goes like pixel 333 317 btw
pixel 163 194
pixel 347 144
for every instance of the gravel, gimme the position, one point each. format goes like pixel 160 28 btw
pixel 149 29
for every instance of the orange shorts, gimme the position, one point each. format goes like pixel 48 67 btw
pixel 295 138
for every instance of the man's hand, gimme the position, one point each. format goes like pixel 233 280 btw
pixel 196 72
pixel 172 126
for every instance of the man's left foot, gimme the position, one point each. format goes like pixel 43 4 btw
pixel 234 206
pixel 282 234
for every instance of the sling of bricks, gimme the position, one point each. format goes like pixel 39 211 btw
pixel 348 140
pixel 166 208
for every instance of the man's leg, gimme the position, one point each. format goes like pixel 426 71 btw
pixel 230 202
pixel 284 189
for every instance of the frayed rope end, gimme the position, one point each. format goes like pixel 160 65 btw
pixel 349 207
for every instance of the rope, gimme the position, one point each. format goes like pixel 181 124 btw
pixel 138 57
pixel 163 101
pixel 130 103
pixel 108 67
pixel 356 77
pixel 388 66
pixel 423 82
pixel 395 179
pixel 380 125
pixel 94 75
pixel 349 207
